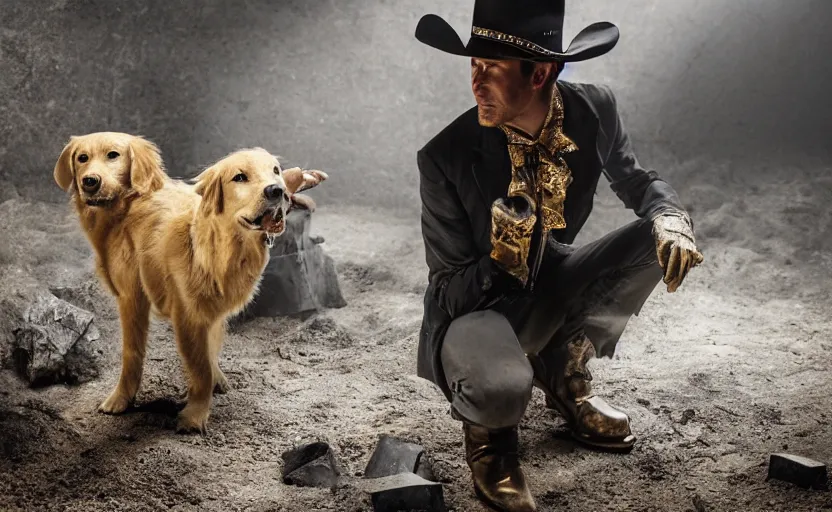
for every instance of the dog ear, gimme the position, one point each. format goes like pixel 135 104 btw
pixel 209 186
pixel 64 172
pixel 147 169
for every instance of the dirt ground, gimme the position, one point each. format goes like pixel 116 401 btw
pixel 716 377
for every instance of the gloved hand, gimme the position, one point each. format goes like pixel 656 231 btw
pixel 512 223
pixel 675 247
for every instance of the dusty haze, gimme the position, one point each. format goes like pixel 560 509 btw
pixel 343 85
pixel 727 99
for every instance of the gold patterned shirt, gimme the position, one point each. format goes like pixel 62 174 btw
pixel 553 175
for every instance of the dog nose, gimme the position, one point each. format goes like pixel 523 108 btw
pixel 273 192
pixel 91 183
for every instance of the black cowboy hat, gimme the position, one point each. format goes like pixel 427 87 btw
pixel 518 29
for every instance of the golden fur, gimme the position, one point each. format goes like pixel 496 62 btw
pixel 199 254
pixel 135 169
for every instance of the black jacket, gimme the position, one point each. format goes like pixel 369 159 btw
pixel 465 167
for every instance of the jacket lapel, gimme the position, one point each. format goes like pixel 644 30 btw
pixel 580 123
pixel 491 166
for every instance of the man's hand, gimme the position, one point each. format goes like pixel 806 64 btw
pixel 675 247
pixel 298 180
pixel 512 222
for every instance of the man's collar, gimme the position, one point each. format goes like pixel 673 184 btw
pixel 552 125
pixel 492 165
pixel 579 117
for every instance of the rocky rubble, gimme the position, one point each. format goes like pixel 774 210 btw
pixel 46 340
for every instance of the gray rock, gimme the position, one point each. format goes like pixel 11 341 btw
pixel 80 295
pixel 300 277
pixel 55 342
pixel 798 470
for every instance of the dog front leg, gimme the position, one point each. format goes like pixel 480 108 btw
pixel 134 314
pixel 216 336
pixel 193 344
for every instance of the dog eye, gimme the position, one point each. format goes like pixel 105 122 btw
pixel 276 169
pixel 112 155
pixel 83 158
pixel 240 177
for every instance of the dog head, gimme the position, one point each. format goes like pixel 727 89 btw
pixel 247 189
pixel 104 167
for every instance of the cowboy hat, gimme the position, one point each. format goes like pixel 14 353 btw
pixel 518 29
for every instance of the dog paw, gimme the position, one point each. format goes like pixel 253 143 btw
pixel 221 385
pixel 116 403
pixel 192 422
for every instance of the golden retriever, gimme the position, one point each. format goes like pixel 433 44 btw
pixel 104 173
pixel 200 251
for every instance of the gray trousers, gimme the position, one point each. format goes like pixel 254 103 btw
pixel 593 289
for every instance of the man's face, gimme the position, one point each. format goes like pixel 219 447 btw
pixel 501 90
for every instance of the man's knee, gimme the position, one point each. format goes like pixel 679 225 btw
pixel 486 370
pixel 498 399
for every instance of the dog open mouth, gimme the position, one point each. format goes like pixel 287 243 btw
pixel 99 201
pixel 272 222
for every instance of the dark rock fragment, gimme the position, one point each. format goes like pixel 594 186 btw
pixel 405 492
pixel 801 471
pixel 393 456
pixel 400 478
pixel 311 465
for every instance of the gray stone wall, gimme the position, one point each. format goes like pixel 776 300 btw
pixel 342 85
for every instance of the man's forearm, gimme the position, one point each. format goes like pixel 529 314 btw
pixel 647 194
pixel 463 290
pixel 660 197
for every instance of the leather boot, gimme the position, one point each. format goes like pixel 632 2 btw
pixel 566 382
pixel 498 479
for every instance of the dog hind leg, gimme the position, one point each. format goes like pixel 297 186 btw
pixel 216 337
pixel 134 314
pixel 193 344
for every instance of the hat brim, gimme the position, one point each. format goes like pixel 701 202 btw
pixel 593 41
